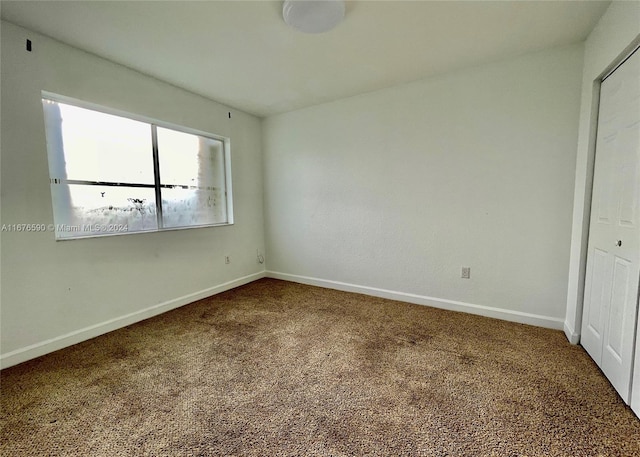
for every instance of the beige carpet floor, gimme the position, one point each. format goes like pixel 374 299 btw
pixel 281 369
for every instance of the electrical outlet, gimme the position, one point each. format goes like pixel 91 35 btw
pixel 466 273
pixel 227 259
pixel 259 255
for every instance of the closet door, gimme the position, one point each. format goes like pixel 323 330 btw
pixel 613 259
pixel 635 388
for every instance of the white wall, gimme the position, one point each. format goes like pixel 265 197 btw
pixel 392 192
pixel 58 293
pixel 615 34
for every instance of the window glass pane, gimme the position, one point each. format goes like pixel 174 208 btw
pixel 188 207
pixel 94 146
pixel 192 176
pixel 81 210
pixel 190 160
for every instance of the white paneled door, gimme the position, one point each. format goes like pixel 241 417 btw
pixel 613 259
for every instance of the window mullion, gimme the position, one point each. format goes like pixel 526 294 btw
pixel 156 175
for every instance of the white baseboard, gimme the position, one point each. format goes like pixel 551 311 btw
pixel 487 311
pixel 572 336
pixel 77 336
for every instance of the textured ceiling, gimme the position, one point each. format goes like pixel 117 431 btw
pixel 241 53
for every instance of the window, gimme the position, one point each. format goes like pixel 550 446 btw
pixel 111 174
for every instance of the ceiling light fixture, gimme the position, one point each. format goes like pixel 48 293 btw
pixel 313 16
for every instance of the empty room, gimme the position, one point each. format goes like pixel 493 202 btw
pixel 320 228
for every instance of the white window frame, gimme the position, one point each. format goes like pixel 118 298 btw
pixel 153 123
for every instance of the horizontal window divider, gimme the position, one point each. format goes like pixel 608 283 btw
pixel 129 184
pixel 100 183
pixel 180 186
